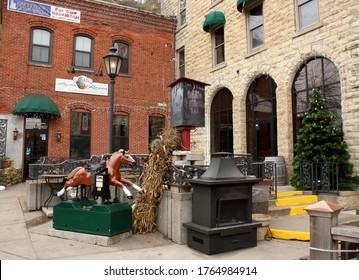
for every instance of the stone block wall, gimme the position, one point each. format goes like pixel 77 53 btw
pixel 335 37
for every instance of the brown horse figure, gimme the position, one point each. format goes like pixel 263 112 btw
pixel 79 176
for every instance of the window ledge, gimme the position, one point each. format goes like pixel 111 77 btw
pixel 218 67
pixel 308 29
pixel 256 51
pixel 179 28
pixel 215 3
pixel 84 70
pixel 38 64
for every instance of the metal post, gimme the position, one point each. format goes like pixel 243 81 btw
pixel 112 88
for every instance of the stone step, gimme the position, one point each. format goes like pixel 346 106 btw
pixel 296 200
pixel 287 210
pixel 290 193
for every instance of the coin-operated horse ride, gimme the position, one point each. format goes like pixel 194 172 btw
pixel 88 215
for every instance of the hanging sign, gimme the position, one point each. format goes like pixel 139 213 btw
pixel 81 84
pixel 44 10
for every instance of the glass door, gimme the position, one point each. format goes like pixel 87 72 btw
pixel 36 142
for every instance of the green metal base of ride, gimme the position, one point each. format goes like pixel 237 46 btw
pixel 87 216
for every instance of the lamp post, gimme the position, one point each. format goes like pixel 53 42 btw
pixel 113 65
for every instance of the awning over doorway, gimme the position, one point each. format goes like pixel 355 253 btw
pixel 36 105
pixel 213 19
pixel 240 4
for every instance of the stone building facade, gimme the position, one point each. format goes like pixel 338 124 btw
pixel 40 54
pixel 287 42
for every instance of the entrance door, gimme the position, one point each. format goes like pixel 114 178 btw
pixel 262 118
pixel 35 142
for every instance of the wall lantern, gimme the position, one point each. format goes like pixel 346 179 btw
pixel 16 132
pixel 58 136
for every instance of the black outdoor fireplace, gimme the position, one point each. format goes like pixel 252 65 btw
pixel 222 209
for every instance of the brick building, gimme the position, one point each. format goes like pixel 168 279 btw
pixel 54 87
pixel 262 58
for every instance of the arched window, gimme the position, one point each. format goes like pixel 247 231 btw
pixel 120 132
pixel 222 122
pixel 156 125
pixel 123 49
pixel 83 52
pixel 40 49
pixel 316 73
pixel 262 118
pixel 80 135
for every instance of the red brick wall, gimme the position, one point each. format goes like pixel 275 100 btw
pixel 152 69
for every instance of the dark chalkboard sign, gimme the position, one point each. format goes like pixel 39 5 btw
pixel 187 101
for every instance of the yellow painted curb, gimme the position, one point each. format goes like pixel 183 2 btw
pixel 298 210
pixel 290 235
pixel 296 200
pixel 284 194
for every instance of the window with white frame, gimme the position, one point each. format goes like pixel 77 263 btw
pixel 307 12
pixel 83 52
pixel 182 12
pixel 181 62
pixel 218 46
pixel 255 27
pixel 40 49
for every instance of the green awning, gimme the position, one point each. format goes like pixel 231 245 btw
pixel 36 104
pixel 213 19
pixel 240 4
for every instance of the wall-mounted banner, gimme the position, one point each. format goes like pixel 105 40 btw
pixel 81 84
pixel 44 10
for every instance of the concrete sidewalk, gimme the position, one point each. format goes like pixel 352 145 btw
pixel 24 235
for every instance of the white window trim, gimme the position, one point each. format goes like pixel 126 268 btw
pixel 214 48
pixel 178 52
pixel 249 37
pixel 297 17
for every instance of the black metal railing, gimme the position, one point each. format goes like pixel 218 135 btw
pixel 319 176
pixel 53 165
pixel 178 176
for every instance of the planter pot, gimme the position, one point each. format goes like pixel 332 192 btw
pixel 5 164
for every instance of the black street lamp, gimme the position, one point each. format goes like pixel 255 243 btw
pixel 113 65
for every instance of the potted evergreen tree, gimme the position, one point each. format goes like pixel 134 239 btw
pixel 321 140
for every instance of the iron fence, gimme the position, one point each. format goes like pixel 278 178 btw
pixel 319 176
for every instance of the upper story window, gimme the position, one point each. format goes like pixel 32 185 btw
pixel 218 46
pixel 123 50
pixel 255 27
pixel 182 12
pixel 307 12
pixel 40 50
pixel 83 52
pixel 181 62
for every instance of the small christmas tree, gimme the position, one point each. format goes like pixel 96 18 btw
pixel 321 140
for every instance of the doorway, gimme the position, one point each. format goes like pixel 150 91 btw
pixel 36 142
pixel 262 118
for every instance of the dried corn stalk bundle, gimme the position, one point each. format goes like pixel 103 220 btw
pixel 145 208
